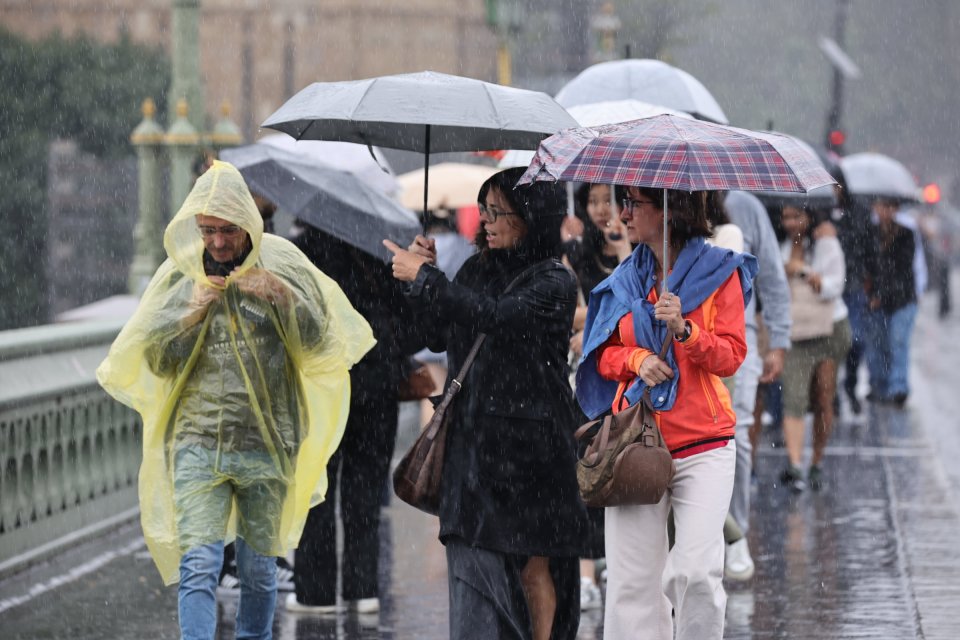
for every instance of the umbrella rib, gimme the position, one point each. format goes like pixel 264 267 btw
pixel 493 105
pixel 304 132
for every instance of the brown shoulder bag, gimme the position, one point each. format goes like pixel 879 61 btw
pixel 624 459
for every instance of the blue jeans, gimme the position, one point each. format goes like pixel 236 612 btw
pixel 888 354
pixel 856 302
pixel 197 594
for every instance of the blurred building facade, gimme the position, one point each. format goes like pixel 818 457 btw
pixel 257 53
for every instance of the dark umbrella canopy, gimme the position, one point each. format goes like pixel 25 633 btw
pixel 334 201
pixel 463 114
pixel 423 112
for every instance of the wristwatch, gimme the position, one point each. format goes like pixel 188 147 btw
pixel 686 332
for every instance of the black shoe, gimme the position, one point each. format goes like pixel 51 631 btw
pixel 815 478
pixel 855 406
pixel 792 478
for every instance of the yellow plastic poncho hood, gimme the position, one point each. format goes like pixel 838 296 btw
pixel 322 334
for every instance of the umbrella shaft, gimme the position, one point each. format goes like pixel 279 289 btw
pixel 426 176
pixel 666 247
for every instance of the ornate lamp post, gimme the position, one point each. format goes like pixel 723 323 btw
pixel 182 142
pixel 148 140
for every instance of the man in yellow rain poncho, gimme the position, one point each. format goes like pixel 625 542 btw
pixel 237 360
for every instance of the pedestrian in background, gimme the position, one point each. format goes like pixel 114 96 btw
pixel 852 219
pixel 359 467
pixel 511 517
pixel 602 246
pixel 648 585
pixel 237 360
pixel 759 239
pixel 891 291
pixel 813 261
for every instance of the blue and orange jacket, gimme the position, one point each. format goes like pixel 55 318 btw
pixel 703 416
pixel 714 286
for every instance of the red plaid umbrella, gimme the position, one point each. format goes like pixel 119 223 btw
pixel 669 152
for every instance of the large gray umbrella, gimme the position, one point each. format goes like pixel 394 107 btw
pixel 650 81
pixel 334 201
pixel 423 112
pixel 877 175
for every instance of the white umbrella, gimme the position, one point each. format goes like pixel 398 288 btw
pixel 452 185
pixel 877 175
pixel 346 156
pixel 650 81
pixel 425 112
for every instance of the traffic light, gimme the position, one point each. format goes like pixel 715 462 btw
pixel 837 138
pixel 931 193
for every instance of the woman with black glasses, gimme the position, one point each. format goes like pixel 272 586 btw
pixel 628 320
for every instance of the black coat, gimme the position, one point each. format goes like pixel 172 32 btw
pixel 889 269
pixel 509 481
pixel 369 286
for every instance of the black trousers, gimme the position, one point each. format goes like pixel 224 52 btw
pixel 358 472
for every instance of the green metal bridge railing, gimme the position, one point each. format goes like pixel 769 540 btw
pixel 69 454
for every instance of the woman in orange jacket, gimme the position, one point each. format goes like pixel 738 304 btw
pixel 627 322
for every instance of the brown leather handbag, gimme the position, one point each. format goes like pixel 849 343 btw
pixel 416 480
pixel 624 460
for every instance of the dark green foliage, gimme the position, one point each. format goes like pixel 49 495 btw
pixel 58 88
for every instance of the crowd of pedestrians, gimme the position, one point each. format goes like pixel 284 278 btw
pixel 267 373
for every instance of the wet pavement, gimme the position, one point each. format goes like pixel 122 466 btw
pixel 873 555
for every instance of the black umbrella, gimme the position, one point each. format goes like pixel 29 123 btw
pixel 334 201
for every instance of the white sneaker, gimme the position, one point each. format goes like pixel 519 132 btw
pixel 368 605
pixel 590 597
pixel 284 579
pixel 229 586
pixel 294 606
pixel 737 561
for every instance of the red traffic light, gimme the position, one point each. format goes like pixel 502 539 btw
pixel 931 193
pixel 837 138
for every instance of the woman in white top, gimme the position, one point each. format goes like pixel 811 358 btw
pixel 814 264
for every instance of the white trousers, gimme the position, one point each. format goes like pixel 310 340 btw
pixel 744 401
pixel 645 581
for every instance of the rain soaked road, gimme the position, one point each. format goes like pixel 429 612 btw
pixel 871 556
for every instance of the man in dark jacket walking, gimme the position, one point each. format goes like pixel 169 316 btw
pixel 363 459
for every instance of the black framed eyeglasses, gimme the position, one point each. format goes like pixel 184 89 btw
pixel 630 204
pixel 493 212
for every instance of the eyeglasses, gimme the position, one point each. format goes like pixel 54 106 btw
pixel 493 212
pixel 629 204
pixel 228 231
